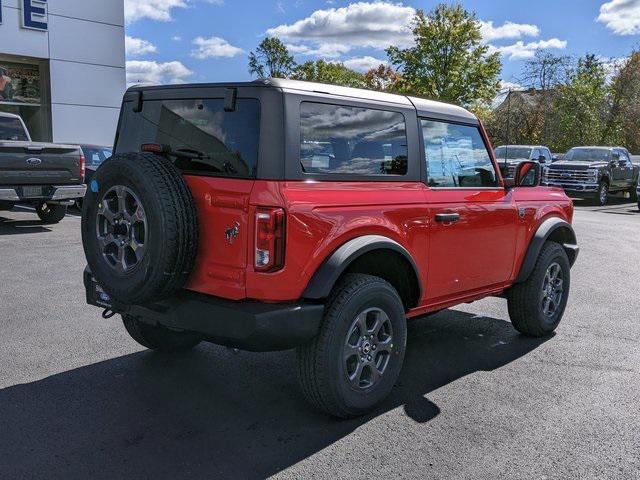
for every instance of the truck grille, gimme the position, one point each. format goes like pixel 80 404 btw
pixel 569 176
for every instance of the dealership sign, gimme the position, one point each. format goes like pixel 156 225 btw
pixel 33 13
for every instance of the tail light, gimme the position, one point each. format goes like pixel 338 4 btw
pixel 270 239
pixel 83 167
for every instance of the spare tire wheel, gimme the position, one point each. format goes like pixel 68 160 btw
pixel 139 228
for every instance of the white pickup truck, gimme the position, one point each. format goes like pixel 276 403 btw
pixel 47 176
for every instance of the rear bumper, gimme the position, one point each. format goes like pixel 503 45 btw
pixel 247 325
pixel 49 193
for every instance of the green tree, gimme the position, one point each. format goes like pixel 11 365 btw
pixel 448 61
pixel 332 73
pixel 580 108
pixel 623 122
pixel 271 59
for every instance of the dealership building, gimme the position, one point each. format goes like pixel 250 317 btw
pixel 62 67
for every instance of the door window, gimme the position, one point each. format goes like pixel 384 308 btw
pixel 457 156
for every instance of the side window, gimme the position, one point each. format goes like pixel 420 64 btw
pixel 456 156
pixel 547 154
pixel 535 155
pixel 342 140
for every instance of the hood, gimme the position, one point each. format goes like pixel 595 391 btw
pixel 569 165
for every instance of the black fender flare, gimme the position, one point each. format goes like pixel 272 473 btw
pixel 336 264
pixel 555 229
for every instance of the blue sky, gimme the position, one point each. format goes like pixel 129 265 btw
pixel 208 40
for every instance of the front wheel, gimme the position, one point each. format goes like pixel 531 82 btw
pixel 51 213
pixel 354 362
pixel 602 195
pixel 159 338
pixel 537 305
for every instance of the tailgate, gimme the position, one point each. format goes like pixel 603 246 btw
pixel 23 163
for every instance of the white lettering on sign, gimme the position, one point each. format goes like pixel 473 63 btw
pixel 34 14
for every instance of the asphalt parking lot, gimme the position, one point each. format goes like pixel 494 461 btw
pixel 80 399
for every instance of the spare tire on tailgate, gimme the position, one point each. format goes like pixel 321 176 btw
pixel 139 228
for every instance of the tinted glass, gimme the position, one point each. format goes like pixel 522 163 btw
pixel 513 153
pixel 226 143
pixel 95 156
pixel 12 129
pixel 588 155
pixel 456 156
pixel 348 140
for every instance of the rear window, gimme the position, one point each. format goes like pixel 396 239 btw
pixel 11 129
pixel 343 140
pixel 226 142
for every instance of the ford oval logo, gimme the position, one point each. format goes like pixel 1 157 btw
pixel 33 161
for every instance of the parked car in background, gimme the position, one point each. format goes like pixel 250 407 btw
pixel 251 215
pixel 594 173
pixel 47 176
pixel 509 156
pixel 95 156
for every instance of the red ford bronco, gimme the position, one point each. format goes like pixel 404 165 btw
pixel 280 214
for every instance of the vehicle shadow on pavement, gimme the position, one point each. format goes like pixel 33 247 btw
pixel 215 414
pixel 21 227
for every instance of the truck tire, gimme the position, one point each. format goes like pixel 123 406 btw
pixel 139 228
pixel 537 305
pixel 601 197
pixel 633 193
pixel 354 362
pixel 159 338
pixel 51 213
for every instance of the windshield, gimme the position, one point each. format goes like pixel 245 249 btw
pixel 588 155
pixel 513 153
pixel 12 129
pixel 95 156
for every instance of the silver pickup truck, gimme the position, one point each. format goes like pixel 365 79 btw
pixel 47 176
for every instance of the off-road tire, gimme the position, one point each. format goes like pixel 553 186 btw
pixel 321 370
pixel 171 242
pixel 525 299
pixel 601 197
pixel 51 214
pixel 159 338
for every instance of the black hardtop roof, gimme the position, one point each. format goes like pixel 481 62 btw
pixel 423 106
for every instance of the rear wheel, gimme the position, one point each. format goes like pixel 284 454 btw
pixel 159 338
pixel 50 214
pixel 537 305
pixel 354 362
pixel 601 197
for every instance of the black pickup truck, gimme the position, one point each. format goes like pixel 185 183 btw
pixel 594 173
pixel 47 176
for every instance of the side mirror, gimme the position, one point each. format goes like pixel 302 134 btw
pixel 542 159
pixel 528 174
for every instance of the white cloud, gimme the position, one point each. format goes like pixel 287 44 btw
pixel 621 16
pixel 521 50
pixel 176 38
pixel 214 47
pixel 136 47
pixel 139 71
pixel 360 24
pixel 325 50
pixel 363 64
pixel 159 10
pixel 215 2
pixel 507 30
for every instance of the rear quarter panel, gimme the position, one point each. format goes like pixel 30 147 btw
pixel 322 216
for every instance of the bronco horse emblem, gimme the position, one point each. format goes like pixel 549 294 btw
pixel 232 232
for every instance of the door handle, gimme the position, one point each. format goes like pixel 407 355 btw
pixel 447 217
